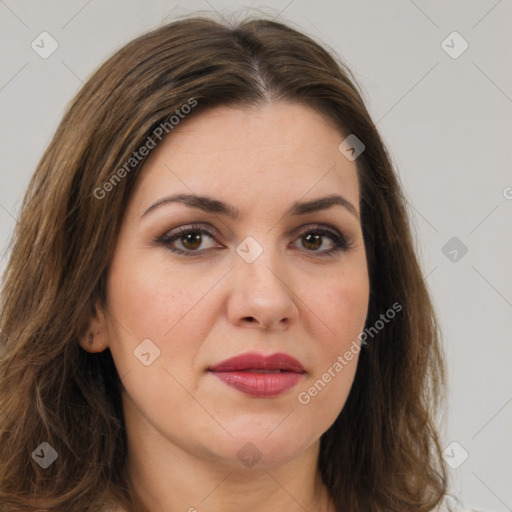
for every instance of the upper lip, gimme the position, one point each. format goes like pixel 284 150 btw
pixel 254 361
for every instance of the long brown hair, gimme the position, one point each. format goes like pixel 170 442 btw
pixel 383 451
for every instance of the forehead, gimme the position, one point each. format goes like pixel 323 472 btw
pixel 272 151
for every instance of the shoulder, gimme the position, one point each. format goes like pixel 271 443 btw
pixel 452 504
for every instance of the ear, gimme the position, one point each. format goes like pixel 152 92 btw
pixel 96 337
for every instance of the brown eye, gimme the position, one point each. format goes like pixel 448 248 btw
pixel 188 240
pixel 312 241
pixel 191 241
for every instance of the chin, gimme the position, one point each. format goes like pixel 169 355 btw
pixel 257 450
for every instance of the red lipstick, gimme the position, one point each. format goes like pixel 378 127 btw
pixel 258 375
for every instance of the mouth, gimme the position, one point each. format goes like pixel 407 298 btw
pixel 258 375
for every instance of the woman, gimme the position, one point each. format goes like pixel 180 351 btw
pixel 213 301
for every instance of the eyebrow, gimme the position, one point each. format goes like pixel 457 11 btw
pixel 210 205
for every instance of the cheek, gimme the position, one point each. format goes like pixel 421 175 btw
pixel 340 312
pixel 337 317
pixel 143 303
pixel 170 309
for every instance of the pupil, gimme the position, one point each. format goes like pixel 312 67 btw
pixel 192 241
pixel 315 244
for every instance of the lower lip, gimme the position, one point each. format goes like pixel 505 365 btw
pixel 259 384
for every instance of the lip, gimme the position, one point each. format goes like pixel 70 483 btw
pixel 259 375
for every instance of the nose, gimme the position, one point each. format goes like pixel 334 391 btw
pixel 262 295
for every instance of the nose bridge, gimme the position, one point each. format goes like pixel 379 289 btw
pixel 258 263
pixel 261 290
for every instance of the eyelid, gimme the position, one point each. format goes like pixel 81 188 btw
pixel 175 233
pixel 341 241
pixel 200 227
pixel 317 226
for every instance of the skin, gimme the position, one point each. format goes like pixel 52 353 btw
pixel 185 426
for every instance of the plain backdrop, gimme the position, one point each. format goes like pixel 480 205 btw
pixel 445 112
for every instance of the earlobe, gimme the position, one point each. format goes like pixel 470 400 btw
pixel 95 339
pixel 92 342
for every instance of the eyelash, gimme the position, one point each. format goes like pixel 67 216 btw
pixel 340 242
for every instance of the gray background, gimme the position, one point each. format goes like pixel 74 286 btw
pixel 447 122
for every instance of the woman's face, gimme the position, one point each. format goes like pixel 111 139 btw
pixel 247 263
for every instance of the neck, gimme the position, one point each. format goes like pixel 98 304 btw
pixel 169 478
